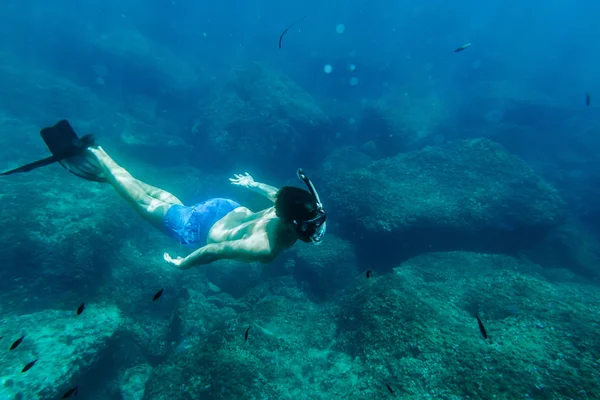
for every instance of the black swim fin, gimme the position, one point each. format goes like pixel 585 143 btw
pixel 68 150
pixel 31 166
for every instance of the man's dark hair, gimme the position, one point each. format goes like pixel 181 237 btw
pixel 293 203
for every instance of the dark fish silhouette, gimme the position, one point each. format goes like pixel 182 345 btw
pixel 368 274
pixel 158 294
pixel 16 343
pixel 481 327
pixel 462 48
pixel 389 388
pixel 28 366
pixel 69 392
pixel 588 99
pixel 80 308
pixel 246 334
pixel 288 28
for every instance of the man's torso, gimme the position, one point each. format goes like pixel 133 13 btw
pixel 262 227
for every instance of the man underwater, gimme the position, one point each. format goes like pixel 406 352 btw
pixel 221 228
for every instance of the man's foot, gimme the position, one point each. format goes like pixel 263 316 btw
pixel 86 165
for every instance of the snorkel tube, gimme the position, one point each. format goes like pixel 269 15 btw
pixel 315 227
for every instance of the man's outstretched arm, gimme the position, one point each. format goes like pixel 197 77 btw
pixel 246 250
pixel 247 181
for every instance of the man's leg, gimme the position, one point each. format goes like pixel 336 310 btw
pixel 159 194
pixel 151 208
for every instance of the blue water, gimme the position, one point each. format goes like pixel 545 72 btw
pixel 466 182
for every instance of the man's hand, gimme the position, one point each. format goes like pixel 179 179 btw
pixel 174 262
pixel 242 180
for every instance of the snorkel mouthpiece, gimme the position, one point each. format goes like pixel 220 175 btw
pixel 317 237
pixel 315 227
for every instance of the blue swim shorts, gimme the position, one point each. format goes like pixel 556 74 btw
pixel 190 225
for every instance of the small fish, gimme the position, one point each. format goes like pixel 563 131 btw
pixel 16 343
pixel 80 308
pixel 463 47
pixel 481 327
pixel 368 274
pixel 288 28
pixel 246 334
pixel 157 295
pixel 28 366
pixel 69 392
pixel 588 99
pixel 389 388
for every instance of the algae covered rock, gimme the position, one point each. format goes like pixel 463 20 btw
pixel 419 322
pixel 233 278
pixel 572 245
pixel 285 356
pixel 33 87
pixel 399 122
pixel 134 52
pixel 133 382
pixel 65 345
pixel 469 194
pixel 326 268
pixel 344 158
pixel 215 368
pixel 261 117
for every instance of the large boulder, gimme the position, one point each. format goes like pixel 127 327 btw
pixel 400 122
pixel 325 269
pixel 261 117
pixel 65 345
pixel 139 125
pixel 133 382
pixel 418 323
pixel 469 194
pixel 285 356
pixel 571 245
pixel 35 95
pixel 148 62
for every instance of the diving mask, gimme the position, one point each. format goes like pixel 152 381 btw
pixel 312 230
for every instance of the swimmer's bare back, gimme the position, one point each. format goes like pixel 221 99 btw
pixel 241 235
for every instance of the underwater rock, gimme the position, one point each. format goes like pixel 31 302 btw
pixel 288 344
pixel 419 322
pixel 143 139
pixel 143 60
pixel 218 369
pixel 345 159
pixel 138 126
pixel 261 117
pixel 232 277
pixel 571 245
pixel 400 122
pixel 150 334
pixel 66 346
pixel 26 84
pixel 468 195
pixel 133 382
pixel 327 268
pixel 199 315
